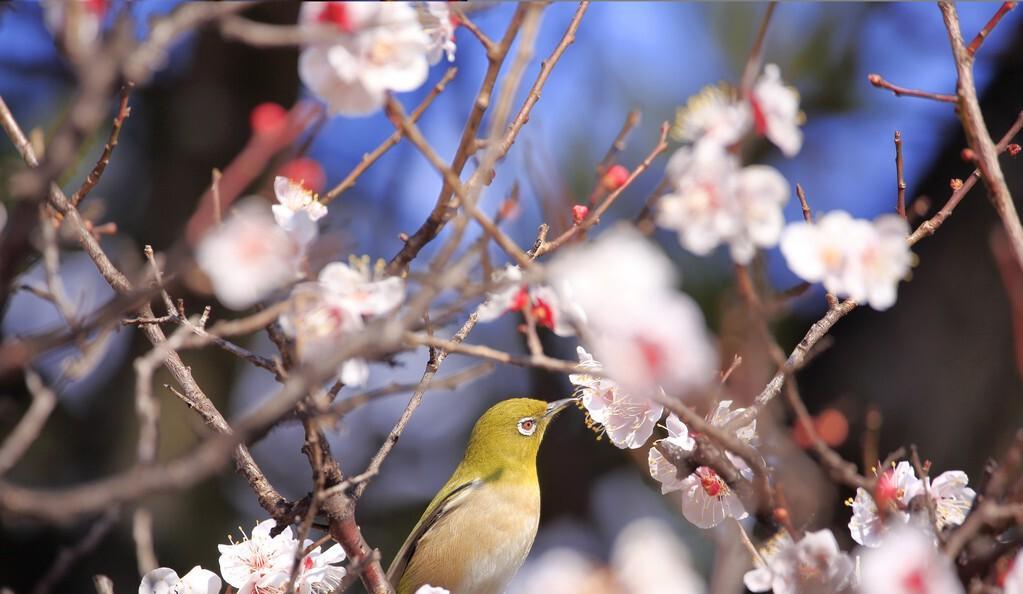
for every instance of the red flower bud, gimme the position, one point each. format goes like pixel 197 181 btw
pixel 1013 149
pixel 306 171
pixel 267 118
pixel 579 213
pixel 614 178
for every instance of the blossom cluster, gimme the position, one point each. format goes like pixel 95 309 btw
pixel 261 563
pixel 371 49
pixel 253 254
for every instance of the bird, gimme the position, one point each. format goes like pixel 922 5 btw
pixel 478 529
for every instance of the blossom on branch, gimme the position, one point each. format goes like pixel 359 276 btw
pixel 715 115
pixel 628 420
pixel 379 47
pixel 907 562
pixel 895 488
pixel 707 498
pixel 298 209
pixel 428 589
pixel 439 24
pixel 647 335
pixel 776 112
pixel 853 258
pixel 249 256
pixel 814 565
pixel 951 496
pixel 323 313
pixel 543 302
pixel 714 201
pixel 262 563
pixel 164 580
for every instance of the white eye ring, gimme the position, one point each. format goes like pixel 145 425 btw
pixel 527 426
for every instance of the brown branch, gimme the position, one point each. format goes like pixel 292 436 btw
pixel 900 201
pixel 594 217
pixel 931 225
pixel 749 73
pixel 618 144
pixel 991 24
pixel 372 156
pixel 877 81
pixel 539 361
pixel 442 208
pixel 977 134
pixel 123 111
pixel 28 428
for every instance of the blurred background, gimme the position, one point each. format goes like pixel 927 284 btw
pixel 940 368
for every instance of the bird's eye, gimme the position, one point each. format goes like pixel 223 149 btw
pixel 527 426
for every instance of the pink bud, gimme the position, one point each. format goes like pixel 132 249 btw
pixel 267 118
pixel 305 171
pixel 579 213
pixel 1013 149
pixel 614 178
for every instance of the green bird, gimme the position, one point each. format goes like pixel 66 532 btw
pixel 478 529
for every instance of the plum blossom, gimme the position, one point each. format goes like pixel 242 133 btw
pixel 322 313
pixel 262 563
pixel 952 497
pixel 776 112
pixel 628 420
pixel 896 487
pixel 647 335
pixel 249 256
pixel 814 565
pixel 543 302
pixel 707 498
pixel 297 210
pixel 439 24
pixel 165 580
pixel 715 114
pixel 1013 582
pixel 379 47
pixel 853 258
pixel 428 589
pixel 715 201
pixel 907 562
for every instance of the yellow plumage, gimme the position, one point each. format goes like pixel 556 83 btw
pixel 478 529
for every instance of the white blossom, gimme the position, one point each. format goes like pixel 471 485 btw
pixel 323 313
pixel 715 114
pixel 262 563
pixel 853 258
pixel 297 210
pixel 379 47
pixel 907 562
pixel 164 580
pixel 662 345
pixel 628 420
pixel 543 302
pixel 439 24
pixel 249 256
pixel 715 202
pixel 896 487
pixel 814 565
pixel 952 497
pixel 561 570
pixel 428 589
pixel 776 111
pixel 706 498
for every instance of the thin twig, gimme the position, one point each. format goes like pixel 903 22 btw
pixel 123 111
pixel 69 555
pixel 877 81
pixel 991 24
pixel 28 428
pixel 749 73
pixel 900 201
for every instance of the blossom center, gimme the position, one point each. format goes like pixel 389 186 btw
pixel 914 582
pixel 711 482
pixel 651 352
pixel 382 52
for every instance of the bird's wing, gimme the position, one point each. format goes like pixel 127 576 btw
pixel 434 513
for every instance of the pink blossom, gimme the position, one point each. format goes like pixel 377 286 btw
pixel 543 302
pixel 380 47
pixel 814 565
pixel 249 256
pixel 907 562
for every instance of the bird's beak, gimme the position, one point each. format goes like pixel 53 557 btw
pixel 557 406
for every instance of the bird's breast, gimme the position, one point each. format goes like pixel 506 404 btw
pixel 485 540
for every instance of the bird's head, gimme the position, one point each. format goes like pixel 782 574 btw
pixel 508 435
